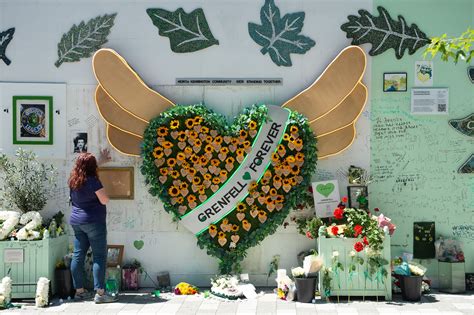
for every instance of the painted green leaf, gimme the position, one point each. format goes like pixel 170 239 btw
pixel 384 33
pixel 279 36
pixel 82 40
pixel 5 38
pixel 187 32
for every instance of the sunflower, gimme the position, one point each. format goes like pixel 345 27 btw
pixel 180 199
pixel 290 159
pixel 246 144
pixel 207 176
pixel 208 148
pixel 193 134
pixel 188 150
pixel 212 227
pixel 202 190
pixel 262 213
pixel 198 142
pixel 191 198
pixel 291 139
pixel 209 139
pixel 181 156
pixel 234 228
pixel 224 150
pixel 241 207
pixel 171 162
pixel 221 234
pixel 167 145
pixel 268 200
pixel 216 180
pixel 162 131
pixel 253 186
pixel 293 129
pixel 230 160
pixel 265 181
pixel 299 157
pixel 183 186
pixel 252 125
pixel 203 160
pixel 194 158
pixel 158 152
pixel 192 171
pixel 275 157
pixel 163 171
pixel 182 136
pixel 279 199
pixel 254 207
pixel 286 181
pixel 281 149
pixel 174 124
pixel 286 137
pixel 215 162
pixel 223 173
pixel 196 180
pixel 197 120
pixel 277 178
pixel 273 191
pixel 295 170
pixel 240 152
pixel 174 174
pixel 185 165
pixel 218 140
pixel 173 191
pixel 189 123
pixel 204 129
pixel 267 174
pixel 298 142
pixel 243 134
pixel 234 141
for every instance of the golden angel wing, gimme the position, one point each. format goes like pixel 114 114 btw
pixel 123 142
pixel 334 101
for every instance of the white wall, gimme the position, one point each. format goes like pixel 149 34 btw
pixel 39 27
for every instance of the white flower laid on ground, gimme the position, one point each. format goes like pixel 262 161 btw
pixel 10 220
pixel 226 286
pixel 297 272
pixel 42 292
pixel 32 221
pixel 5 292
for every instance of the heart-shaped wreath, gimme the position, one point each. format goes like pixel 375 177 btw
pixel 230 184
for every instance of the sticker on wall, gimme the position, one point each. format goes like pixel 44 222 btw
pixel 384 33
pixel 423 240
pixel 280 36
pixel 470 74
pixel 82 40
pixel 423 73
pixel 5 38
pixel 464 125
pixel 187 32
pixel 468 166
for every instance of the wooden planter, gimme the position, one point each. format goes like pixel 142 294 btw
pixel 26 261
pixel 359 285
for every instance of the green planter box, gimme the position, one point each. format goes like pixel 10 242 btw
pixel 359 285
pixel 27 261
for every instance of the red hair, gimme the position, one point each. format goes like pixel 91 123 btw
pixel 86 165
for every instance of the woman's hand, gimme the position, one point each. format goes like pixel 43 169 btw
pixel 104 156
pixel 103 198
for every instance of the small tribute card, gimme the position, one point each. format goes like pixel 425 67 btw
pixel 326 197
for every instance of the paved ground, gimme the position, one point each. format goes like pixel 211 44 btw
pixel 267 303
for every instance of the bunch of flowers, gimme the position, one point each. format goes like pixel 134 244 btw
pixel 226 286
pixel 184 288
pixel 370 230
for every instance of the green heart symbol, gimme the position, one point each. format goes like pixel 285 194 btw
pixel 247 176
pixel 325 190
pixel 138 244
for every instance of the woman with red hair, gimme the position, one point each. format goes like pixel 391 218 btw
pixel 88 215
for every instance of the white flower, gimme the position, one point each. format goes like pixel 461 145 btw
pixel 352 253
pixel 42 292
pixel 335 254
pixel 297 272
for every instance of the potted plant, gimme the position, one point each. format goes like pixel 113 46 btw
pixel 305 287
pixel 30 247
pixel 130 274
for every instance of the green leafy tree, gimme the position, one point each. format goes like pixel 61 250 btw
pixel 452 47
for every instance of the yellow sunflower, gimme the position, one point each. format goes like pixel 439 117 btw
pixel 158 152
pixel 162 131
pixel 252 125
pixel 174 124
pixel 173 191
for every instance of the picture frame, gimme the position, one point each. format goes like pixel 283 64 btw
pixel 114 255
pixel 118 182
pixel 353 192
pixel 395 81
pixel 32 120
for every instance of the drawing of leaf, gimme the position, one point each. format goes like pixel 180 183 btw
pixel 82 40
pixel 280 36
pixel 187 32
pixel 5 38
pixel 384 33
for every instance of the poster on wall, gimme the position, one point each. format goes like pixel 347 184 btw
pixel 326 197
pixel 32 120
pixel 79 141
pixel 423 73
pixel 423 240
pixel 429 101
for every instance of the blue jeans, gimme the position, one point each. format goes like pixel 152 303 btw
pixel 92 235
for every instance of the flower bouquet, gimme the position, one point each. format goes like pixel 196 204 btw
pixel 184 288
pixel 227 287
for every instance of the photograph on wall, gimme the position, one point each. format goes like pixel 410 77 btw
pixel 358 197
pixel 114 255
pixel 79 142
pixel 424 73
pixel 32 120
pixel 326 197
pixel 395 82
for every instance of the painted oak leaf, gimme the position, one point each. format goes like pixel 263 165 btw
pixel 82 40
pixel 5 38
pixel 279 36
pixel 384 33
pixel 187 32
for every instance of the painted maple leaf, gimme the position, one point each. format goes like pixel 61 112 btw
pixel 279 36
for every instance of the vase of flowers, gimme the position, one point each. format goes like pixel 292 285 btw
pixel 305 287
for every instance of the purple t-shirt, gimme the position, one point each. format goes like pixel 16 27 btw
pixel 86 207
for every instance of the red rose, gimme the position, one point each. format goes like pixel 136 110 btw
pixel 376 209
pixel 338 213
pixel 366 242
pixel 334 230
pixel 358 246
pixel 308 235
pixel 344 199
pixel 358 230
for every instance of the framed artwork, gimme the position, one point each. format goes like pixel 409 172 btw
pixel 114 255
pixel 358 197
pixel 118 182
pixel 32 120
pixel 395 82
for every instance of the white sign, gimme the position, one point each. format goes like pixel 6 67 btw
pixel 326 197
pixel 429 101
pixel 13 255
pixel 251 169
pixel 424 73
pixel 229 81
